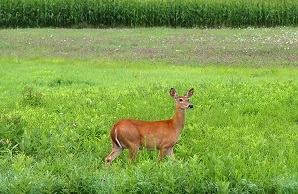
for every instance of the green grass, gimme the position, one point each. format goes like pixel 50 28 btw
pixel 57 109
pixel 234 47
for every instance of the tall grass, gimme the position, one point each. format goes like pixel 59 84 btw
pixel 241 137
pixel 132 13
pixel 56 112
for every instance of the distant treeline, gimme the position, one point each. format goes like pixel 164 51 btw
pixel 148 13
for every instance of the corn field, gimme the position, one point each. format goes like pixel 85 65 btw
pixel 148 13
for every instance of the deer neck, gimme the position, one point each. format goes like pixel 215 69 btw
pixel 179 119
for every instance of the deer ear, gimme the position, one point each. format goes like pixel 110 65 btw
pixel 189 93
pixel 173 93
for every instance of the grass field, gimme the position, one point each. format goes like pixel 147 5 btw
pixel 61 90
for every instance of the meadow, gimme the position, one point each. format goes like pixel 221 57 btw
pixel 62 89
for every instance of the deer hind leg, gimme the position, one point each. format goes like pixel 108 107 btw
pixel 165 151
pixel 162 153
pixel 133 152
pixel 116 151
pixel 170 152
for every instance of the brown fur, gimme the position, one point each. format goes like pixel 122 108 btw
pixel 162 135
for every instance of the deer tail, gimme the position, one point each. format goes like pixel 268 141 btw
pixel 115 138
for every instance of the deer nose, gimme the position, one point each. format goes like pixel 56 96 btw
pixel 190 106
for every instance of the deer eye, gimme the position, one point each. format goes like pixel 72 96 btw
pixel 180 99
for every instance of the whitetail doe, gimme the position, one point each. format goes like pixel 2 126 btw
pixel 161 135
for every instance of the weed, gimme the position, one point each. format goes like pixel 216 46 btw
pixel 31 97
pixel 241 136
pixel 11 133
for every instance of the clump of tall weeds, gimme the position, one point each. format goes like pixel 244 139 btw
pixel 11 132
pixel 30 97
